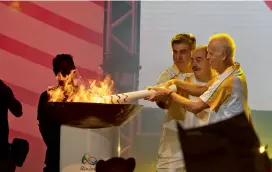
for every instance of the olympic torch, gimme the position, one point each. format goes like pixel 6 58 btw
pixel 124 98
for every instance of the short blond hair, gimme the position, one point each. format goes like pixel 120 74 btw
pixel 229 44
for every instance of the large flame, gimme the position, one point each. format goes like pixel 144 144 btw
pixel 76 89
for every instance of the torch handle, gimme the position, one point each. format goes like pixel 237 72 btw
pixel 131 96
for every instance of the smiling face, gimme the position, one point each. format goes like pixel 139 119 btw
pixel 200 64
pixel 216 55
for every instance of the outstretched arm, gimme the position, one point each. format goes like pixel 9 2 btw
pixel 193 106
pixel 192 89
pixel 212 98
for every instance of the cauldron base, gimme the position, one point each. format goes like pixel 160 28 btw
pixel 92 115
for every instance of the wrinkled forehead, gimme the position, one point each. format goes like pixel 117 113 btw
pixel 200 53
pixel 214 45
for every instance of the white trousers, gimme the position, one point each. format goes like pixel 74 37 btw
pixel 170 157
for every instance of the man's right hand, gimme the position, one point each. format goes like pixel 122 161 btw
pixel 161 101
pixel 155 97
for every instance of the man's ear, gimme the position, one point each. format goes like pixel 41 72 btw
pixel 224 55
pixel 131 163
pixel 100 166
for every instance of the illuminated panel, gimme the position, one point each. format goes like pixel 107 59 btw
pixel 31 35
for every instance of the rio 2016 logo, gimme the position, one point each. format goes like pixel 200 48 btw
pixel 87 159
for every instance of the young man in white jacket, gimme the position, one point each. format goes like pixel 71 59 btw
pixel 169 154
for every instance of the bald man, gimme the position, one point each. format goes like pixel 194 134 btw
pixel 226 95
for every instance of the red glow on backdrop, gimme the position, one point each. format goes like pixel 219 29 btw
pixel 268 3
pixel 33 34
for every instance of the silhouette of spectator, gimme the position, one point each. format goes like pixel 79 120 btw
pixel 7 102
pixel 116 164
pixel 49 128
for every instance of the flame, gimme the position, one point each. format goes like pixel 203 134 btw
pixel 76 89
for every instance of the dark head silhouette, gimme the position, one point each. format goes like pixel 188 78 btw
pixel 116 165
pixel 63 63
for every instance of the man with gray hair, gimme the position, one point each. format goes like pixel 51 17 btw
pixel 227 95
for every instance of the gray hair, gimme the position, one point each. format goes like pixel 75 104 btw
pixel 227 43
